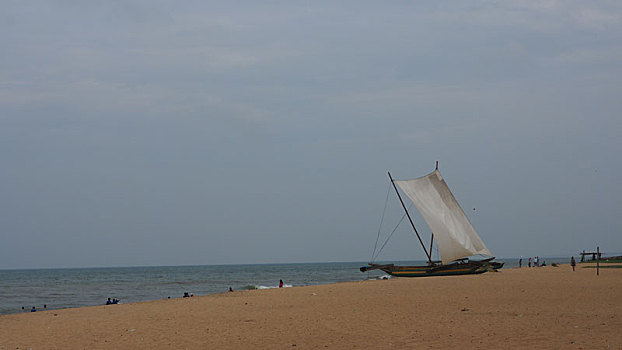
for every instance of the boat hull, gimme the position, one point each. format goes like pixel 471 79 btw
pixel 425 271
pixel 470 268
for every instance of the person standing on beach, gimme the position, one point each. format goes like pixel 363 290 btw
pixel 280 283
pixel 572 262
pixel 520 262
pixel 529 261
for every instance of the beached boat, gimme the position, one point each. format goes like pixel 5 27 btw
pixel 461 249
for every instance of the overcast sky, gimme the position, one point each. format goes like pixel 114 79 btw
pixel 168 133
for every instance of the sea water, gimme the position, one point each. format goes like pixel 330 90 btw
pixel 78 287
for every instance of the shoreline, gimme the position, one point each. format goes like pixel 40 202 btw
pixel 547 307
pixel 127 298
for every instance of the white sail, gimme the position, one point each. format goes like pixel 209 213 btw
pixel 455 236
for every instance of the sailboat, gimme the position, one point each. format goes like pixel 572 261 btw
pixel 457 241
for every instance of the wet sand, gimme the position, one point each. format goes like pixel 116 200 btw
pixel 528 308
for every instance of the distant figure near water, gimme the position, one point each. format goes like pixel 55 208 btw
pixel 520 262
pixel 33 309
pixel 572 262
pixel 529 262
pixel 280 283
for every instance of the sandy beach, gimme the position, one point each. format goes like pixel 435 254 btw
pixel 528 308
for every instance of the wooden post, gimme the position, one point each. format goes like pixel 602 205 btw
pixel 597 261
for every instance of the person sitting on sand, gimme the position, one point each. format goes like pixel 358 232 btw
pixel 115 300
pixel 33 309
pixel 108 302
pixel 186 295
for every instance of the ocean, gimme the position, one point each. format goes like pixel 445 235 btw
pixel 78 287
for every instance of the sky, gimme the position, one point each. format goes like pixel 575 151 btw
pixel 241 132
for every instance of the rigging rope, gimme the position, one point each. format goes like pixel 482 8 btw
pixel 381 221
pixel 387 240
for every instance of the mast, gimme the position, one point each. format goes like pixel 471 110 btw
pixel 432 237
pixel 431 243
pixel 410 219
